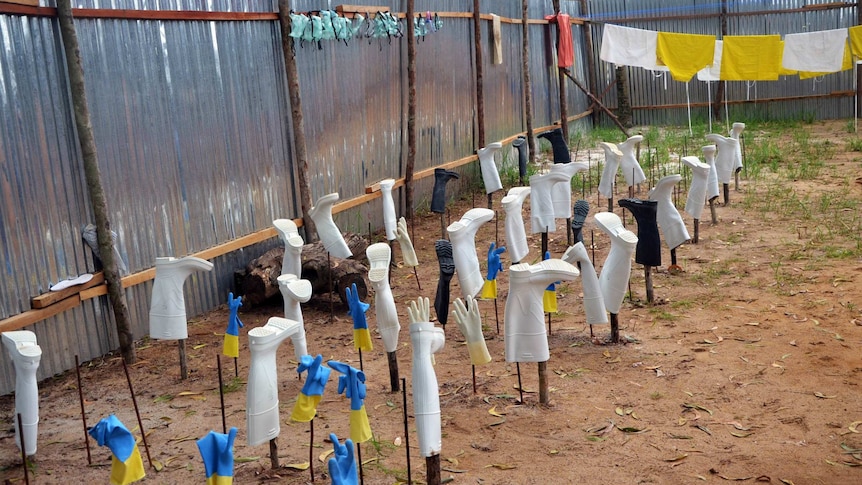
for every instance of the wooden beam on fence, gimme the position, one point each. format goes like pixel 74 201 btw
pixel 704 104
pixel 753 13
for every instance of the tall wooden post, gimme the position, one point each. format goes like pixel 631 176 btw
pixel 592 83
pixel 87 142
pixel 480 90
pixel 411 116
pixel 719 93
pixel 525 70
pixel 561 80
pixel 300 155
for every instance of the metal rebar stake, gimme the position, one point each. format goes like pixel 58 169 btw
pixel 137 413
pixel 221 394
pixel 23 449
pixel 83 414
pixel 406 428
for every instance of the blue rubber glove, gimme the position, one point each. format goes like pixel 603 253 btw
pixel 217 452
pixel 357 308
pixel 494 265
pixel 234 323
pixel 351 382
pixel 317 377
pixel 126 464
pixel 552 286
pixel 342 467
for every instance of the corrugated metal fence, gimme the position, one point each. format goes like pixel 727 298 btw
pixel 192 125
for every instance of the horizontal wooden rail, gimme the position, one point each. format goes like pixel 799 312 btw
pixel 705 104
pixel 697 16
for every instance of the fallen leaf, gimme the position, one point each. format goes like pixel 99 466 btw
pixel 370 460
pixel 298 466
pixel 680 436
pixel 325 454
pixel 696 406
pixel 742 435
pixel 453 470
pixel 502 466
pixel 493 412
pixel 619 411
pixel 738 426
pixel 632 430
pixel 786 482
pixel 821 396
pixel 731 479
pixel 245 459
pixel 853 426
pixel 199 346
pixel 677 458
pixel 498 423
pixel 188 393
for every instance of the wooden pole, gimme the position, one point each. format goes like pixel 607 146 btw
pixel 331 309
pixel 24 449
pixel 588 54
pixel 432 469
pixel 406 428
pixel 83 414
pixel 595 100
pixel 561 75
pixel 544 397
pixel 615 329
pixel 474 378
pixel 719 92
pixel 525 72
pixel 87 142
pixel 273 453
pixel 418 284
pixel 712 211
pixel 696 231
pixel 393 370
pixel 221 394
pixel 361 366
pixel 300 151
pixel 520 386
pixel 184 365
pixel 137 413
pixel 497 316
pixel 411 115
pixel 480 89
pixel 648 283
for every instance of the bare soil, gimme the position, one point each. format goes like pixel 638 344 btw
pixel 747 368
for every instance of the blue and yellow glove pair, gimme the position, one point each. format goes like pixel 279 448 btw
pixel 231 336
pixel 549 299
pixel 312 391
pixel 126 464
pixel 361 335
pixel 217 452
pixel 351 382
pixel 489 289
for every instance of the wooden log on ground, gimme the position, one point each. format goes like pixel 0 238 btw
pixel 258 281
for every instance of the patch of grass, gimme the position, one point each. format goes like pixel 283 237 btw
pixel 656 396
pixel 660 314
pixel 233 385
pixel 855 145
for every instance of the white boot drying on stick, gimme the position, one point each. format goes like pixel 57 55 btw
pixel 542 202
pixel 614 279
pixel 725 162
pixel 379 256
pixel 403 237
pixel 168 304
pixel 426 340
pixel 294 291
pixel 524 319
pixel 594 302
pixel 516 235
pixel 670 222
pixel 25 354
pixel 329 233
pixel 462 235
pixel 735 132
pixel 561 194
pixel 712 190
pixel 390 220
pixel 291 262
pixel 697 190
pixel 490 174
pixel 262 418
pixel 632 170
pixel 613 157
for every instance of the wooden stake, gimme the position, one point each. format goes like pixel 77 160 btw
pixel 359 460
pixel 474 378
pixel 273 453
pixel 83 415
pixel 24 448
pixel 406 428
pixel 393 370
pixel 432 469
pixel 442 226
pixel 184 366
pixel 221 394
pixel 569 234
pixel 361 367
pixel 648 283
pixel 418 284
pixel 543 383
pixel 549 323
pixel 696 231
pixel 138 414
pixel 497 316
pixel 331 310
pixel 525 73
pixel 726 194
pixel 615 329
pixel 410 165
pixel 520 387
pixel 235 367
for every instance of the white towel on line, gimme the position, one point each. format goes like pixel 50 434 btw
pixel 821 51
pixel 712 73
pixel 625 46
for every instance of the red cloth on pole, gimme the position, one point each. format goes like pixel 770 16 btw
pixel 565 48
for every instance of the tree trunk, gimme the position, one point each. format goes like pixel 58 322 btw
pixel 624 104
pixel 87 142
pixel 411 115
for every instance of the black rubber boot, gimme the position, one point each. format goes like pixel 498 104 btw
pixel 523 155
pixel 558 143
pixel 648 250
pixel 438 196
pixel 580 211
pixel 447 270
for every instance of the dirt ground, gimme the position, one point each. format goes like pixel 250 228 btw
pixel 746 369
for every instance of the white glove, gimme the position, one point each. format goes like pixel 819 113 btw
pixel 470 324
pixel 419 311
pixel 403 238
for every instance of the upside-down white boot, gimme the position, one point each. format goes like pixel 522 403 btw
pixel 712 190
pixel 291 263
pixel 25 353
pixel 462 234
pixel 697 190
pixel 542 202
pixel 490 174
pixel 725 162
pixel 613 157
pixel 735 132
pixel 524 322
pixel 516 235
pixel 617 269
pixel 262 420
pixel 561 192
pixel 632 170
pixel 329 233
pixel 168 304
pixel 390 220
pixel 594 302
pixel 379 256
pixel 669 221
pixel 426 339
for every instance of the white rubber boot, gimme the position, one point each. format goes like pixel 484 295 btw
pixel 632 170
pixel 390 220
pixel 516 235
pixel 25 354
pixel 594 302
pixel 561 192
pixel 262 417
pixel 329 233
pixel 291 263
pixel 168 304
pixel 613 158
pixel 735 132
pixel 524 319
pixel 426 340
pixel 712 190
pixel 542 202
pixel 295 291
pixel 462 235
pixel 379 256
pixel 697 191
pixel 616 271
pixel 670 222
pixel 725 162
pixel 490 173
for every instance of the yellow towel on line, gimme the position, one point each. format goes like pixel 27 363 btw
pixel 855 34
pixel 685 54
pixel 751 58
